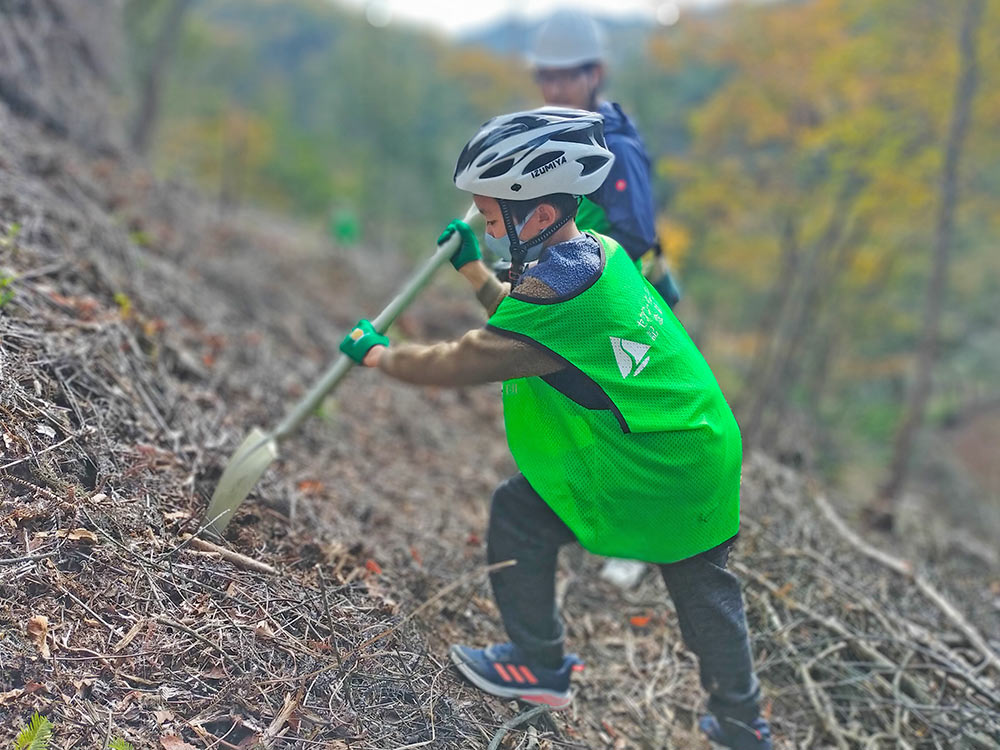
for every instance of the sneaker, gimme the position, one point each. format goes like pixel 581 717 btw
pixel 502 670
pixel 737 735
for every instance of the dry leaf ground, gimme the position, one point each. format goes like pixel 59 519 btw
pixel 146 335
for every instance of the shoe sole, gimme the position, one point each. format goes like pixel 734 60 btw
pixel 555 701
pixel 717 744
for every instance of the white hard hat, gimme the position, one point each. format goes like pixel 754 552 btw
pixel 531 154
pixel 567 40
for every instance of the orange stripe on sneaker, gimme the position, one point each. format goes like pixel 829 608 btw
pixel 549 700
pixel 514 671
pixel 501 671
pixel 529 676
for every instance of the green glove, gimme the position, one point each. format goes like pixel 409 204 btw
pixel 361 339
pixel 468 251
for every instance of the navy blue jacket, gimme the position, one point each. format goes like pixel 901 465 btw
pixel 626 195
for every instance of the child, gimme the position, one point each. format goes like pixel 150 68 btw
pixel 623 439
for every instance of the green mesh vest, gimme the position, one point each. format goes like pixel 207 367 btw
pixel 655 475
pixel 590 217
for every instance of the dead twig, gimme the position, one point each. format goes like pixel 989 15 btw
pixel 904 568
pixel 274 730
pixel 241 561
pixel 329 617
pixel 521 718
pixel 199 637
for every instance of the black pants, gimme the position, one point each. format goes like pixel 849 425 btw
pixel 707 598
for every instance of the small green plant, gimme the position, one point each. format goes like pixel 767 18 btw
pixel 11 235
pixel 124 303
pixel 6 293
pixel 36 735
pixel 327 409
pixel 140 238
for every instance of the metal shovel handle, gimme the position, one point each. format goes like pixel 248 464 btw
pixel 342 365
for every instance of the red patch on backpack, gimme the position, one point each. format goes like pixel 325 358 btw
pixel 620 186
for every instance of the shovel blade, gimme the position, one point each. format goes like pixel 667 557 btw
pixel 245 467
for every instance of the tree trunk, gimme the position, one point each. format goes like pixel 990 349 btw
pixel 807 336
pixel 232 170
pixel 767 326
pixel 881 511
pixel 797 318
pixel 151 90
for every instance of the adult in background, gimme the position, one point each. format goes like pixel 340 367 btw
pixel 568 58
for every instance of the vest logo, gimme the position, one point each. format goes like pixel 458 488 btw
pixel 631 356
pixel 546 167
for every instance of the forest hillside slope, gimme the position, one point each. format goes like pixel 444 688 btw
pixel 142 335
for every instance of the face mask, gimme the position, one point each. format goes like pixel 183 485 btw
pixel 500 246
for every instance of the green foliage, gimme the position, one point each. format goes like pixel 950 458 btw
pixel 811 185
pixel 10 239
pixel 124 303
pixel 36 735
pixel 6 293
pixel 304 106
pixel 140 238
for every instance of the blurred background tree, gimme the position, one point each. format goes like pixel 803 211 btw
pixel 802 150
pixel 303 106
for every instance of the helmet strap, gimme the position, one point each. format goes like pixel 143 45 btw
pixel 518 248
pixel 517 252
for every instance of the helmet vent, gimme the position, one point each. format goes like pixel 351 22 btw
pixel 591 164
pixel 498 169
pixel 487 159
pixel 526 155
pixel 574 136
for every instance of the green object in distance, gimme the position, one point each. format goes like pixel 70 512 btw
pixel 345 228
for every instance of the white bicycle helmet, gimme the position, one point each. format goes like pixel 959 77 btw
pixel 533 154
pixel 529 154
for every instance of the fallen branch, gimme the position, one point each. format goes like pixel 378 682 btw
pixel 515 722
pixel 821 704
pixel 241 561
pixel 30 558
pixel 905 569
pixel 857 642
pixel 54 446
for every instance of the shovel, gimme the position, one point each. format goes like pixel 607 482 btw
pixel 260 448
